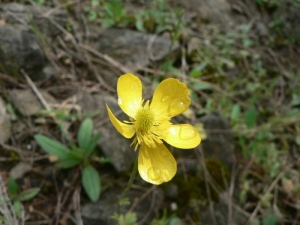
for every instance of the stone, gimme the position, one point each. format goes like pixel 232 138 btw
pixel 19 170
pixel 171 191
pixel 112 143
pixel 5 124
pixel 101 211
pixel 219 143
pixel 221 213
pixel 19 49
pixel 132 49
pixel 43 18
pixel 219 147
pixel 19 44
pixel 27 102
pixel 211 11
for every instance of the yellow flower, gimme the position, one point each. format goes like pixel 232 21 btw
pixel 150 123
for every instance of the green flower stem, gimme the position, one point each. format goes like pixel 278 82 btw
pixel 133 174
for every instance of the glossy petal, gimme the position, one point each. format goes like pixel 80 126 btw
pixel 156 165
pixel 171 96
pixel 129 93
pixel 123 128
pixel 183 136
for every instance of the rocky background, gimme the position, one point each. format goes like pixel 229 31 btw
pixel 240 58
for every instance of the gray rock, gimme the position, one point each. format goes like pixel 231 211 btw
pixel 19 46
pixel 19 49
pixel 130 48
pixel 171 191
pixel 210 11
pixel 49 71
pixel 221 213
pixel 102 211
pixel 5 125
pixel 45 19
pixel 19 170
pixel 113 144
pixel 219 143
pixel 27 102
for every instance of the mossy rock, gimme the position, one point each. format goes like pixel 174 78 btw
pixel 219 172
pixel 192 190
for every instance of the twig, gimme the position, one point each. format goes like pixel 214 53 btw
pixel 113 62
pixel 62 124
pixel 76 202
pixel 6 208
pixel 17 150
pixel 144 219
pixel 211 207
pixel 35 90
pixel 230 195
pixel 106 58
pixel 142 197
pixel 272 186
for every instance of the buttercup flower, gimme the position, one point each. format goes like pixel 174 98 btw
pixel 150 123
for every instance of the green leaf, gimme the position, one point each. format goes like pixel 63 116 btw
pixel 250 117
pixel 91 182
pixel 197 71
pixel 297 139
pixel 39 2
pixel 139 24
pixel 28 194
pixel 124 201
pixel 175 221
pixel 18 208
pixel 92 144
pixel 235 112
pixel 270 220
pixel 125 219
pixel 128 218
pixel 52 147
pixel 85 133
pixel 200 86
pixel 13 188
pixel 107 22
pixel 11 111
pixel 93 15
pixel 68 162
pixel 295 99
pixel 95 3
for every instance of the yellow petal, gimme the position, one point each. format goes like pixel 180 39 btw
pixel 123 128
pixel 156 165
pixel 182 136
pixel 129 93
pixel 171 96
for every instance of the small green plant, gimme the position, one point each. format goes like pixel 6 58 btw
pixel 268 220
pixel 115 13
pixel 125 219
pixel 18 196
pixel 92 10
pixel 39 2
pixel 77 155
pixel 165 220
pixel 159 17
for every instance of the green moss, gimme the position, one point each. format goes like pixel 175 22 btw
pixel 192 190
pixel 219 172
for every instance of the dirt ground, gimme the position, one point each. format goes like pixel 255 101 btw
pixel 59 64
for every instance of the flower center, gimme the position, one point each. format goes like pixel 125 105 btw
pixel 144 119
